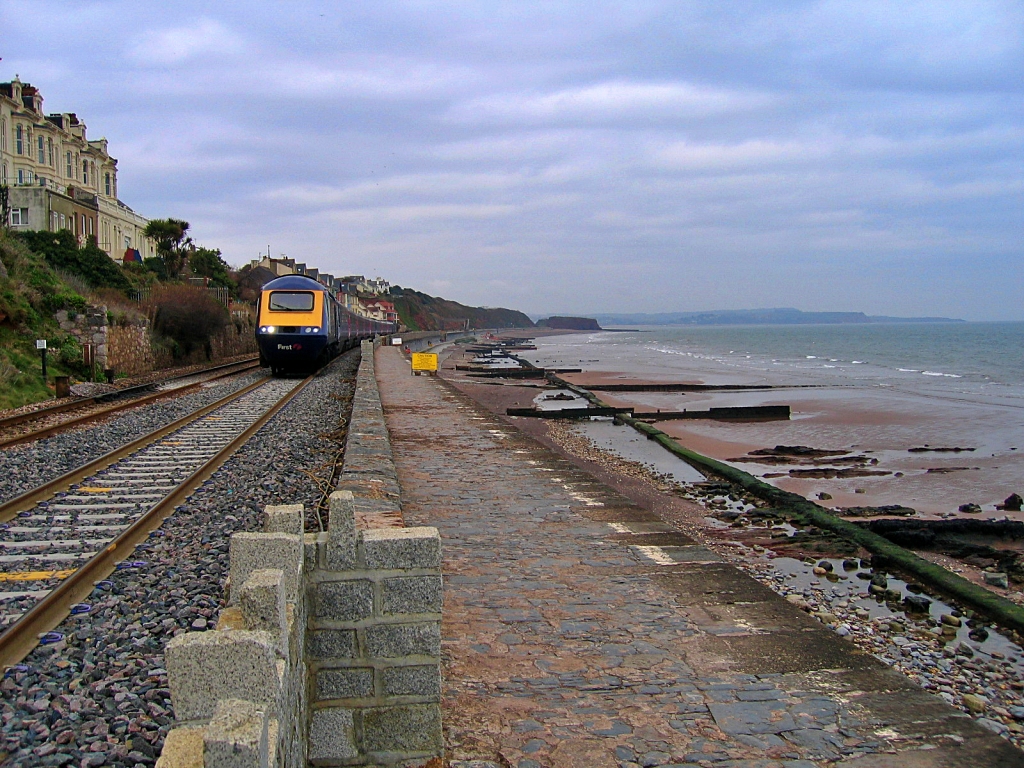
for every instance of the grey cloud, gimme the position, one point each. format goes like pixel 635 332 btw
pixel 646 156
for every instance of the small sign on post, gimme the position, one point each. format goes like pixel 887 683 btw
pixel 41 346
pixel 424 361
pixel 396 341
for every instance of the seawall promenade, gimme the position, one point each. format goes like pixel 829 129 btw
pixel 564 643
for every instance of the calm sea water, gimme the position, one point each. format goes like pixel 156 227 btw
pixel 976 360
pixel 881 389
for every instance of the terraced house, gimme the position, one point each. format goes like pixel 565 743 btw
pixel 60 179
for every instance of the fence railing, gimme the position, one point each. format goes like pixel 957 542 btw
pixel 221 294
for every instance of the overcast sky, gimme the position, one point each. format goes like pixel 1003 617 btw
pixel 570 157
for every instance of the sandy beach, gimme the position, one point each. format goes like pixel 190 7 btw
pixel 898 434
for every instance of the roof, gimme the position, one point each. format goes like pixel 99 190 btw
pixel 293 282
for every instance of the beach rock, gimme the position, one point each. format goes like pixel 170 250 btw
pixel 975 703
pixel 916 604
pixel 927 449
pixel 830 472
pixel 1012 503
pixel 824 496
pixel 952 621
pixel 996 579
pixel 970 509
pixel 801 451
pixel 891 510
pixel 978 634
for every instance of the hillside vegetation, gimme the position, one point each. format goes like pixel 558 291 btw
pixel 31 290
pixel 421 312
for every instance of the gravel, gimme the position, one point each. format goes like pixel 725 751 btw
pixel 98 695
pixel 27 466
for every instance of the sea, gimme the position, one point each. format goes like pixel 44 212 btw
pixel 878 390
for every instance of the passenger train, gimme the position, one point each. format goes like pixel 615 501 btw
pixel 300 326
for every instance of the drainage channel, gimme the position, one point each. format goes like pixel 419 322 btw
pixel 45 547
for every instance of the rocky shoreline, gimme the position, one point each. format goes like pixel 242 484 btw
pixel 945 650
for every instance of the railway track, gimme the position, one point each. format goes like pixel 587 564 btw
pixel 44 422
pixel 59 541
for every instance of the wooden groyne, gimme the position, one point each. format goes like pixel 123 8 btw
pixel 750 413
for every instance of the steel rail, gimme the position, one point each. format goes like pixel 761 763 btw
pixel 19 639
pixel 81 402
pixel 39 434
pixel 11 508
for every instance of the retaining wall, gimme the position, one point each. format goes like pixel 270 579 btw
pixel 88 327
pixel 328 653
pixel 130 349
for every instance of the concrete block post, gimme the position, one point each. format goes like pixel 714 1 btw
pixel 402 548
pixel 284 518
pixel 263 605
pixel 237 736
pixel 341 532
pixel 204 667
pixel 255 551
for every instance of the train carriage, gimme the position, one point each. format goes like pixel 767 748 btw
pixel 300 326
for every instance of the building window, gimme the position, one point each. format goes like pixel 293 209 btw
pixel 3 173
pixel 19 140
pixel 49 153
pixel 85 171
pixel 106 183
pixel 3 134
pixel 24 176
pixel 19 217
pixel 91 226
pixel 70 172
pixel 41 145
pixel 127 242
pixel 63 222
pixel 53 221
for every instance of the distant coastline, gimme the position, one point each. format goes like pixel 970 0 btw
pixel 782 316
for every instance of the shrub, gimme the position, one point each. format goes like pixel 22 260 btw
pixel 54 302
pixel 188 316
pixel 61 251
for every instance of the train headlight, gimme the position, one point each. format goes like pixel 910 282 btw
pixel 309 330
pixel 267 329
pixel 316 330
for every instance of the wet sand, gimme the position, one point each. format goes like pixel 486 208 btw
pixel 879 423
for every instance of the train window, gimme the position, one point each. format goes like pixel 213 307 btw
pixel 291 301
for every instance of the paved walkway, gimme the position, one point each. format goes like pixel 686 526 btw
pixel 580 630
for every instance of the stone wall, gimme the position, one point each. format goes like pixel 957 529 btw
pixel 130 349
pixel 233 340
pixel 329 651
pixel 89 327
pixel 368 470
pixel 374 643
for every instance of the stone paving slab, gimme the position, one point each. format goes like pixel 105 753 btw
pixel 565 644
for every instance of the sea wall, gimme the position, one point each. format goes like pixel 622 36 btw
pixel 418 341
pixel 328 653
